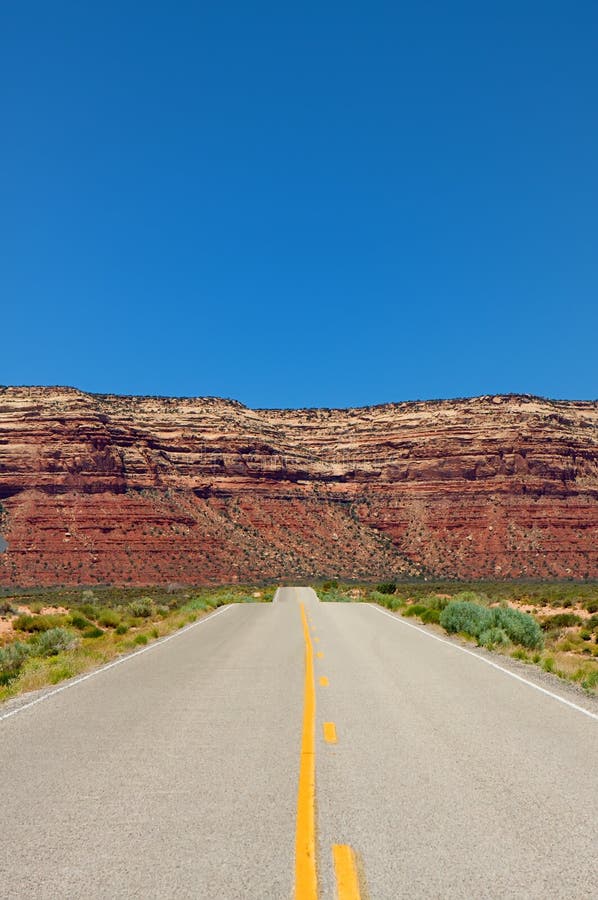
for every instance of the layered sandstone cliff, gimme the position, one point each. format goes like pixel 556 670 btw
pixel 135 490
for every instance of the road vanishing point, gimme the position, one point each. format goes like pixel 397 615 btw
pixel 300 750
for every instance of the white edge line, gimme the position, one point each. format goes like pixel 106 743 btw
pixel 488 662
pixel 275 597
pixel 116 662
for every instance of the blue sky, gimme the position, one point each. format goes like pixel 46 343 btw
pixel 316 204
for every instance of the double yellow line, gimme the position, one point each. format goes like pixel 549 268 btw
pixel 306 879
pixel 306 876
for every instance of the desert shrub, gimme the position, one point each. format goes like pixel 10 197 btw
pixel 591 606
pixel 54 641
pixel 561 620
pixel 377 597
pixel 93 632
pixel 110 618
pixel 330 586
pixel 462 615
pixel 122 628
pixel 393 602
pixel 386 587
pixel 12 658
pixel 467 597
pixel 520 627
pixel 142 608
pixel 60 672
pixel 470 618
pixel 416 610
pixel 38 623
pixel 433 601
pixel 430 615
pixel 198 603
pixel 590 681
pixel 79 621
pixel 141 639
pixel 89 610
pixel 6 608
pixel 175 603
pixel 548 664
pixel 493 637
pixel 585 635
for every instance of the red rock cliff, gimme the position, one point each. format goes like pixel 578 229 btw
pixel 145 490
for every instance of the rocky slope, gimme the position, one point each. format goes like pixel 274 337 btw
pixel 149 490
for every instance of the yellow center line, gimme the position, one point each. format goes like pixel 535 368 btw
pixel 345 870
pixel 323 681
pixel 306 880
pixel 329 732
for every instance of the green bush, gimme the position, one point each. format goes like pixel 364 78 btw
pixel 142 608
pixel 79 621
pixel 54 641
pixel 416 610
pixel 432 601
pixel 109 618
pixel 89 610
pixel 12 658
pixel 6 608
pixel 38 623
pixel 122 628
pixel 330 586
pixel 520 627
pixel 561 620
pixel 93 632
pixel 393 602
pixel 465 616
pixel 468 597
pixel 493 637
pixel 590 681
pixel 386 587
pixel 470 618
pixel 141 639
pixel 197 603
pixel 430 615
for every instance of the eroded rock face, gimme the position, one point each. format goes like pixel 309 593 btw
pixel 145 490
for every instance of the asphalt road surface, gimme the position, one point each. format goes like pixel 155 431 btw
pixel 185 770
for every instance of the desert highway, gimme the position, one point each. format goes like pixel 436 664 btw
pixel 302 750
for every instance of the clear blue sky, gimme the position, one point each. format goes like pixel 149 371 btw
pixel 309 204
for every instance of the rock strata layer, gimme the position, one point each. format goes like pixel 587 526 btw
pixel 145 490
